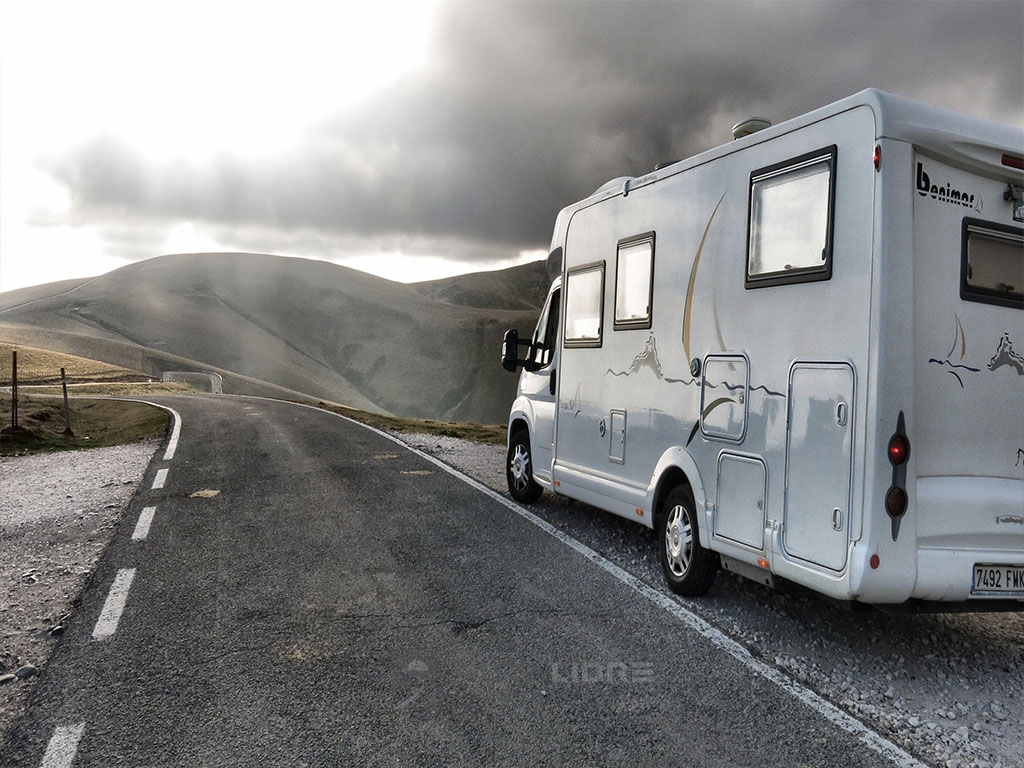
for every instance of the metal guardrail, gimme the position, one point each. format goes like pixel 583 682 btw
pixel 204 382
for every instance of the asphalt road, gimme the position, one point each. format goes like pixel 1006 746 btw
pixel 342 601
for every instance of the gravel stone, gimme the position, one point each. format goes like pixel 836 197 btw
pixel 25 672
pixel 58 512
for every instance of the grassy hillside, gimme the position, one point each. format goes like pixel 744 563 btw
pixel 40 366
pixel 520 288
pixel 291 325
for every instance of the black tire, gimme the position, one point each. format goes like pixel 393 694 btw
pixel 688 567
pixel 519 469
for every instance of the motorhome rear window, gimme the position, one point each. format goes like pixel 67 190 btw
pixel 584 305
pixel 634 284
pixel 992 263
pixel 790 220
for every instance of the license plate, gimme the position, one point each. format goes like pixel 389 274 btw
pixel 998 580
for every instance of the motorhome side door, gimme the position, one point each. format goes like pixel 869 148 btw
pixel 540 384
pixel 819 462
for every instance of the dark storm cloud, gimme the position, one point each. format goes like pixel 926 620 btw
pixel 522 108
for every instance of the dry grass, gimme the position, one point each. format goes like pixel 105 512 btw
pixel 115 389
pixel 491 434
pixel 95 424
pixel 39 366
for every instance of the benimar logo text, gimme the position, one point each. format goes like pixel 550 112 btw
pixel 945 193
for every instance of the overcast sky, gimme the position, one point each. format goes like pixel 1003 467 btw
pixel 414 139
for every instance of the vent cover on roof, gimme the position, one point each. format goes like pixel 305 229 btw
pixel 749 126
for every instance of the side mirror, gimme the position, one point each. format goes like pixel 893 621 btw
pixel 510 359
pixel 509 349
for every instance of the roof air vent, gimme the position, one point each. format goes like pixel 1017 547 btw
pixel 749 126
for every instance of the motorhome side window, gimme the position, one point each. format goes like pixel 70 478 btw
pixel 992 263
pixel 790 220
pixel 634 284
pixel 546 336
pixel 584 305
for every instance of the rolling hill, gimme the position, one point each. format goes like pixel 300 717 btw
pixel 287 327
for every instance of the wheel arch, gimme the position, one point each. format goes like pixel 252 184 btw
pixel 677 467
pixel 520 417
pixel 515 424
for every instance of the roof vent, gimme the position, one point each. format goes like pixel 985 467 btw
pixel 749 126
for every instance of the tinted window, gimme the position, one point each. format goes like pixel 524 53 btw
pixel 992 263
pixel 546 336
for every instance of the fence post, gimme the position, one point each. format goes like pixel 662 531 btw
pixel 14 388
pixel 67 410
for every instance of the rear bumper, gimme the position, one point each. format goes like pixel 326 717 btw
pixel 946 574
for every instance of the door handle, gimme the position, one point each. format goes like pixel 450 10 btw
pixel 551 384
pixel 842 411
pixel 837 519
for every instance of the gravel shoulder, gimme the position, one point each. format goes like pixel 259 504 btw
pixel 948 688
pixel 58 512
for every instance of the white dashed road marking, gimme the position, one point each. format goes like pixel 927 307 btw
pixel 106 625
pixel 60 752
pixel 63 746
pixel 145 520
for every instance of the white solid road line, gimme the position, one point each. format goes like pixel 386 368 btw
pixel 160 479
pixel 142 527
pixel 106 625
pixel 875 741
pixel 172 444
pixel 63 746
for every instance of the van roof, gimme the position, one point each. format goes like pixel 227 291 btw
pixel 959 139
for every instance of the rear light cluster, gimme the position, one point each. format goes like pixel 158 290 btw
pixel 896 500
pixel 1012 161
pixel 899 450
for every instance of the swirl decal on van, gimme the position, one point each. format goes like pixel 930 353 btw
pixel 958 337
pixel 648 358
pixel 1006 356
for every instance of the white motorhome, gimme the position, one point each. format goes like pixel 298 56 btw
pixel 798 355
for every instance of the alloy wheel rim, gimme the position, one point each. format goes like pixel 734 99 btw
pixel 678 541
pixel 519 466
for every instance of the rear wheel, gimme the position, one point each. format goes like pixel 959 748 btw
pixel 519 469
pixel 688 567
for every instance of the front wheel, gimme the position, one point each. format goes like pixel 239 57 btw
pixel 519 469
pixel 688 567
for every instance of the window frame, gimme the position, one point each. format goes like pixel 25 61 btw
pixel 805 274
pixel 985 295
pixel 540 333
pixel 581 343
pixel 642 322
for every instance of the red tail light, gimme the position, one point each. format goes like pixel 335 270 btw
pixel 899 450
pixel 896 502
pixel 1012 161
